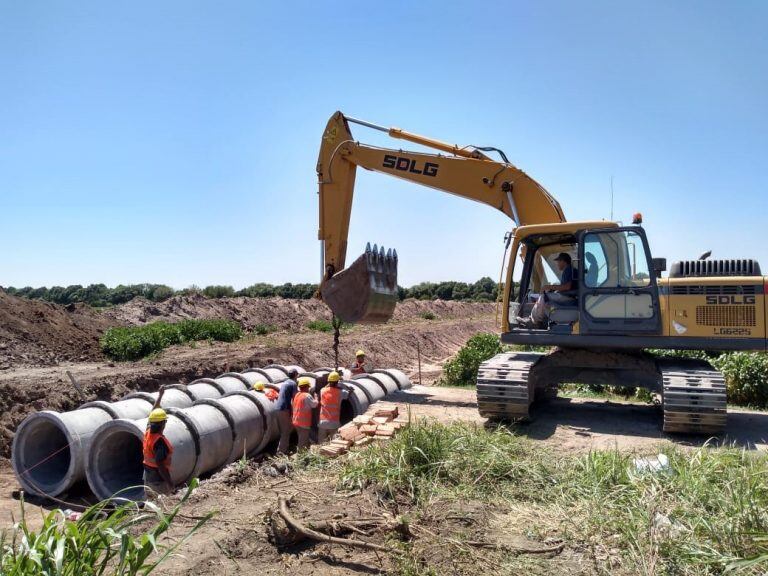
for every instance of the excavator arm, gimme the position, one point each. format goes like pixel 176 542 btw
pixel 366 291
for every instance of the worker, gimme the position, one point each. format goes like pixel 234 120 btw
pixel 330 407
pixel 157 451
pixel 303 403
pixel 288 390
pixel 359 367
pixel 554 294
pixel 270 393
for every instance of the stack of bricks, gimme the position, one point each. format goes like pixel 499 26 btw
pixel 380 422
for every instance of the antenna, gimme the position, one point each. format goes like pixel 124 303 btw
pixel 611 198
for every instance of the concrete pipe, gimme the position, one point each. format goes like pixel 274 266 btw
pixel 385 381
pixel 268 424
pixel 402 380
pixel 296 367
pixel 209 424
pixel 49 449
pixel 274 375
pixel 115 458
pixel 285 369
pixel 173 397
pixel 357 399
pixel 232 382
pixel 130 408
pixel 245 417
pixel 370 388
pixel 205 388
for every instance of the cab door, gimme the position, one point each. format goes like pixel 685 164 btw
pixel 617 287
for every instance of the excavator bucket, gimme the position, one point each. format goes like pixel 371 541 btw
pixel 366 291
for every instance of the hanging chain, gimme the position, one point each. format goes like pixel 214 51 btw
pixel 336 332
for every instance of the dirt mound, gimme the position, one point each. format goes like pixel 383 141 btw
pixel 279 312
pixel 38 333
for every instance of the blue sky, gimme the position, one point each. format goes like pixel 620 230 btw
pixel 176 142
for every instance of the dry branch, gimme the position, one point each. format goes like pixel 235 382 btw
pixel 319 536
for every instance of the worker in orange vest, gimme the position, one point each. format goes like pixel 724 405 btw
pixel 270 393
pixel 330 407
pixel 359 367
pixel 157 451
pixel 301 418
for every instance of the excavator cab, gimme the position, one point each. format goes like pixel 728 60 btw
pixel 614 288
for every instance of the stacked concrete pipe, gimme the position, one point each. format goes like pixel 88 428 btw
pixel 212 422
pixel 50 448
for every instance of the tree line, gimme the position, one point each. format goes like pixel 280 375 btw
pixel 100 295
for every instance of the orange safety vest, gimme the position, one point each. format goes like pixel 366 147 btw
pixel 271 394
pixel 330 404
pixel 358 368
pixel 150 438
pixel 302 414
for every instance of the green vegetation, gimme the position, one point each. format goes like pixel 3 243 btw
pixel 320 325
pixel 428 315
pixel 100 296
pixel 704 515
pixel 461 370
pixel 746 373
pixel 263 329
pixel 132 343
pixel 484 290
pixel 100 542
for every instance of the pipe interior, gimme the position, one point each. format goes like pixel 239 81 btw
pixel 120 464
pixel 45 454
pixel 347 412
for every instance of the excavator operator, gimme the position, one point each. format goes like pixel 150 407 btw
pixel 553 294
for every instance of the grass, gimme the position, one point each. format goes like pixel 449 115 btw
pixel 428 315
pixel 264 329
pixel 707 514
pixel 100 542
pixel 325 326
pixel 133 343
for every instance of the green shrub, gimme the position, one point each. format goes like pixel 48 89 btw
pixel 461 370
pixel 428 315
pixel 262 329
pixel 99 542
pixel 132 343
pixel 746 377
pixel 320 325
pixel 746 373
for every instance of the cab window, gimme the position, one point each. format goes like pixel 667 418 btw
pixel 615 260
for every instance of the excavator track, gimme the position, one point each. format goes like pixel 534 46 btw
pixel 504 390
pixel 694 397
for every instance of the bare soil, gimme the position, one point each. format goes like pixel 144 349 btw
pixel 35 333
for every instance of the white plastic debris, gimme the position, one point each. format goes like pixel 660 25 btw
pixel 659 463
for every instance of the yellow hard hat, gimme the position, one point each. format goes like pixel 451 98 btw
pixel 158 415
pixel 359 353
pixel 304 382
pixel 334 377
pixel 259 386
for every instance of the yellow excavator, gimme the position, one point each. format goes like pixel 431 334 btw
pixel 617 305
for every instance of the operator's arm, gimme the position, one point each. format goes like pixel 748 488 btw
pixel 159 397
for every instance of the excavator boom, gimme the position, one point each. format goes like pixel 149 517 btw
pixel 367 290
